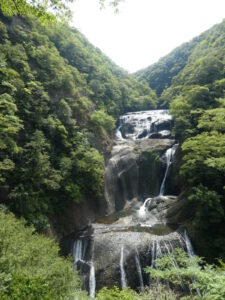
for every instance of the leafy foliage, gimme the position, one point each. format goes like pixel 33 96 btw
pixel 190 274
pixel 30 267
pixel 115 293
pixel 48 10
pixel 158 292
pixel 190 81
pixel 160 75
pixel 58 96
pixel 41 9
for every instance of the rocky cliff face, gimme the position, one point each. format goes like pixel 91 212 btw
pixel 140 223
pixel 137 165
pixel 134 171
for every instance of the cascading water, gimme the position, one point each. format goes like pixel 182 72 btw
pixel 141 125
pixel 142 209
pixel 77 251
pixel 169 156
pixel 138 265
pixel 190 252
pixel 189 246
pixel 122 270
pixel 145 232
pixel 92 281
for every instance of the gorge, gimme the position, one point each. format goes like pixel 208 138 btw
pixel 141 222
pixel 115 195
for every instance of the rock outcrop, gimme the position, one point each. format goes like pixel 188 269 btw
pixel 141 223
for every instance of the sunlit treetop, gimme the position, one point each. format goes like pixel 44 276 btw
pixel 46 10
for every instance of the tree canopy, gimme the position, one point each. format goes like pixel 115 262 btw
pixel 190 81
pixel 60 97
pixel 30 266
pixel 48 10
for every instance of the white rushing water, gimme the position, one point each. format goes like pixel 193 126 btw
pixel 169 156
pixel 118 133
pixel 92 281
pixel 138 265
pixel 142 124
pixel 142 209
pixel 122 270
pixel 189 246
pixel 77 251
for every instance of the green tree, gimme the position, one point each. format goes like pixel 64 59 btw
pixel 10 125
pixel 193 273
pixel 30 267
pixel 100 119
pixel 204 158
pixel 38 8
pixel 46 11
pixel 115 293
pixel 213 119
pixel 208 207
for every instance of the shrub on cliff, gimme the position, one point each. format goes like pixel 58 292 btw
pixel 197 279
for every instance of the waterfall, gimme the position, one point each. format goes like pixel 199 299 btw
pixel 92 281
pixel 180 238
pixel 142 124
pixel 138 265
pixel 143 234
pixel 167 248
pixel 189 246
pixel 191 253
pixel 118 133
pixel 77 251
pixel 156 252
pixel 153 253
pixel 169 155
pixel 122 271
pixel 142 209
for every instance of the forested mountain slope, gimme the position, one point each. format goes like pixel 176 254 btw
pixel 195 94
pixel 59 97
pixel 159 75
pixel 200 61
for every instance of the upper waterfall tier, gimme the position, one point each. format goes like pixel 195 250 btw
pixel 144 124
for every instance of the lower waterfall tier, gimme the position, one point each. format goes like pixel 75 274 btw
pixel 121 245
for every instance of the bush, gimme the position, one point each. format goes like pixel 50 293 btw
pixel 30 267
pixel 101 119
pixel 115 293
pixel 202 280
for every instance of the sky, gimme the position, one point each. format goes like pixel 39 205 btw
pixel 144 30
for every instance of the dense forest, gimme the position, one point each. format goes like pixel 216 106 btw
pixel 60 98
pixel 59 95
pixel 194 90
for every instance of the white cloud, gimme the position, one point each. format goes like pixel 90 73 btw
pixel 145 30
